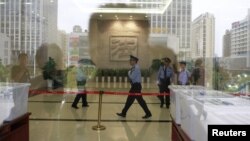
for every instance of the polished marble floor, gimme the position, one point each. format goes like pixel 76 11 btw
pixel 53 119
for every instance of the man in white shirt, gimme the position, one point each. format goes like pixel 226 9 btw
pixel 81 79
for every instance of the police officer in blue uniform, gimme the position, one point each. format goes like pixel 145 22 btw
pixel 135 79
pixel 165 77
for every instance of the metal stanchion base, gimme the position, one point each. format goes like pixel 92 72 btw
pixel 98 128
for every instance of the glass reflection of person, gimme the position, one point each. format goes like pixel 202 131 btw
pixel 81 79
pixel 3 72
pixel 44 52
pixel 20 72
pixel 198 73
pixel 71 74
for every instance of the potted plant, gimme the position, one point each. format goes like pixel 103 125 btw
pixel 49 71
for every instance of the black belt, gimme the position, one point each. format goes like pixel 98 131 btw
pixel 136 83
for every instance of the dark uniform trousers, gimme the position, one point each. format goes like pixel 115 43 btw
pixel 80 95
pixel 164 83
pixel 135 88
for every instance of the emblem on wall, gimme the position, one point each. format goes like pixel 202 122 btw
pixel 121 47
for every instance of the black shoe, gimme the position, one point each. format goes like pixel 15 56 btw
pixel 147 116
pixel 162 105
pixel 167 106
pixel 74 106
pixel 121 115
pixel 85 105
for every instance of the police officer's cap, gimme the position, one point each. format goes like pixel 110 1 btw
pixel 133 58
pixel 183 62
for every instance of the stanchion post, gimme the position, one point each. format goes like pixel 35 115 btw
pixel 99 127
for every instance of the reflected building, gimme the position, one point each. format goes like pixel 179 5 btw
pixel 202 44
pixel 50 15
pixel 176 20
pixel 227 44
pixel 28 23
pixel 240 45
pixel 78 45
pixel 248 48
pixel 239 42
pixel 203 36
pixel 4 49
pixel 62 42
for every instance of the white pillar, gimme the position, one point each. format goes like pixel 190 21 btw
pixel 103 81
pixel 247 88
pixel 148 82
pixel 114 86
pixel 108 81
pixel 96 82
pixel 126 82
pixel 50 83
pixel 142 82
pixel 120 82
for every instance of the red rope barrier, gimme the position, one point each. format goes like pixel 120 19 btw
pixel 241 94
pixel 96 92
pixel 110 93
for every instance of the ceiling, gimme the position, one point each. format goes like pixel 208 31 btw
pixel 132 6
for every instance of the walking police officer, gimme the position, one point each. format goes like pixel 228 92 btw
pixel 135 79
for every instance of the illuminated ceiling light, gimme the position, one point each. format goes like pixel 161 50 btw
pixel 63 102
pixel 100 15
pixel 130 17
pixel 51 1
pixel 2 3
pixel 146 16
pixel 28 3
